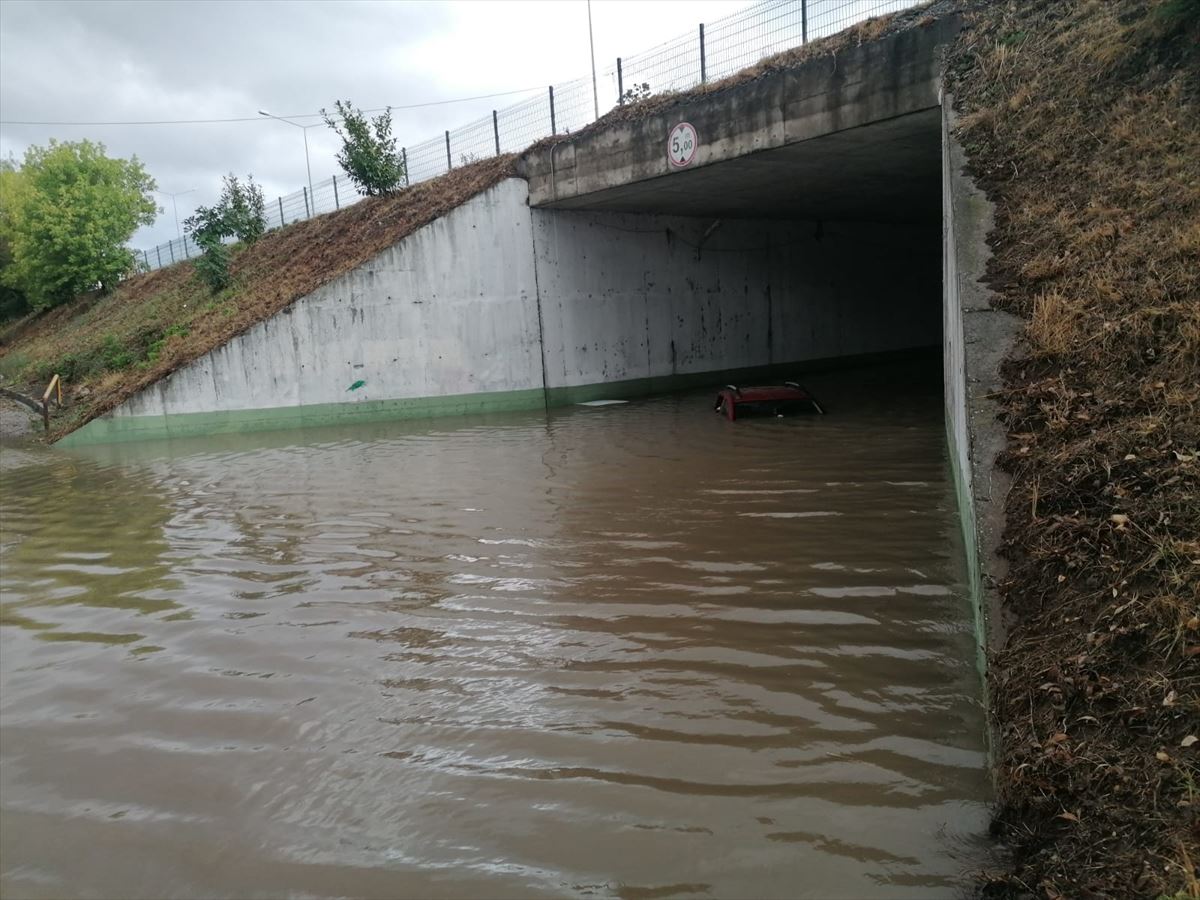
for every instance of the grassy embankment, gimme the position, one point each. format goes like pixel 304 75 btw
pixel 1081 119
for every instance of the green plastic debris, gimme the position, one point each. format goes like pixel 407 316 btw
pixel 356 385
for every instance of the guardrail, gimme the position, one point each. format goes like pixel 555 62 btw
pixel 55 384
pixel 712 52
pixel 42 406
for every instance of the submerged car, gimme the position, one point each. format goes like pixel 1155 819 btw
pixel 787 399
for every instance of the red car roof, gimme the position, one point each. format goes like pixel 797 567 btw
pixel 772 396
pixel 761 393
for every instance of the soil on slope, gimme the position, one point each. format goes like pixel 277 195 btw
pixel 1081 120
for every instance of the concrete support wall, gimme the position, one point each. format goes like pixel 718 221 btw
pixel 977 338
pixel 627 298
pixel 444 321
pixel 500 306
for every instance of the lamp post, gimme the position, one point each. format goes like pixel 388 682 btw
pixel 175 207
pixel 592 47
pixel 303 128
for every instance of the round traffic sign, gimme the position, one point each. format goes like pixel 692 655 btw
pixel 682 144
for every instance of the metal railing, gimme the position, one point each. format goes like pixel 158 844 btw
pixel 714 51
pixel 42 406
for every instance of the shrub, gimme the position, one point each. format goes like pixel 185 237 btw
pixel 240 213
pixel 114 355
pixel 636 92
pixel 368 155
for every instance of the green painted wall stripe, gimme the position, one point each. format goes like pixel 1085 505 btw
pixel 117 429
pixel 113 429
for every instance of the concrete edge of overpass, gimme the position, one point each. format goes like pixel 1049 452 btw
pixel 869 82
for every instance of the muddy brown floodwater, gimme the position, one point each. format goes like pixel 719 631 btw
pixel 635 651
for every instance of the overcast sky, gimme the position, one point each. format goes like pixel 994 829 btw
pixel 96 61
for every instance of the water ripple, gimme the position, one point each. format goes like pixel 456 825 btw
pixel 633 651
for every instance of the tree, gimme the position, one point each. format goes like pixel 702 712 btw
pixel 240 213
pixel 243 208
pixel 368 155
pixel 13 302
pixel 69 219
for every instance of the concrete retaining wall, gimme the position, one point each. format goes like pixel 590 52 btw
pixel 635 297
pixel 977 338
pixel 499 306
pixel 449 312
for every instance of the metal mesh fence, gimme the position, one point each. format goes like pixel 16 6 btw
pixel 426 160
pixel 826 17
pixel 524 122
pixel 710 52
pixel 742 39
pixel 573 106
pixel 472 142
pixel 673 66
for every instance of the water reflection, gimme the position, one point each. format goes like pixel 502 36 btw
pixel 632 651
pixel 76 535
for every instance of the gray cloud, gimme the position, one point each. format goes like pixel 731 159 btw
pixel 134 61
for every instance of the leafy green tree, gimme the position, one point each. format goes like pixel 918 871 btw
pixel 241 213
pixel 13 302
pixel 368 155
pixel 70 218
pixel 243 208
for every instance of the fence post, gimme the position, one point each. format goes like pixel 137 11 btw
pixel 404 158
pixel 307 208
pixel 146 257
pixel 553 127
pixel 620 84
pixel 496 130
pixel 449 162
pixel 282 220
pixel 337 204
pixel 171 250
pixel 803 21
pixel 703 73
pixel 186 255
pixel 158 253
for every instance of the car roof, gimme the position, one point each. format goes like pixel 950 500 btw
pixel 759 393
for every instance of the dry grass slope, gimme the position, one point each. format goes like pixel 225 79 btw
pixel 1080 118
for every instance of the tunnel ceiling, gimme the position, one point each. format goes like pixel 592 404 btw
pixel 889 171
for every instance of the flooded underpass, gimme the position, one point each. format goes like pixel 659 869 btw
pixel 632 650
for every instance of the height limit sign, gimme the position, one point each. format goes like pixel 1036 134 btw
pixel 682 144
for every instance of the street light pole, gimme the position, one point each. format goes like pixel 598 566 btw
pixel 304 129
pixel 592 46
pixel 312 198
pixel 175 207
